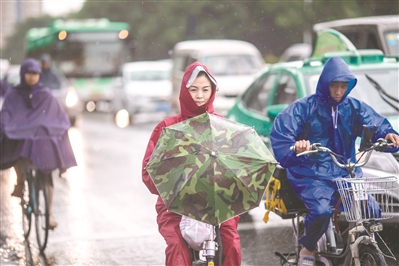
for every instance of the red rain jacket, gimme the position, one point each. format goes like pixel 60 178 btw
pixel 177 252
pixel 188 109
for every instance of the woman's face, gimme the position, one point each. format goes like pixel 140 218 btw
pixel 31 78
pixel 201 90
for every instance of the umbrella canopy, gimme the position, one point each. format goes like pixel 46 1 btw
pixel 210 168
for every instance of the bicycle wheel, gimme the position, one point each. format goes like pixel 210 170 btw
pixel 369 255
pixel 41 213
pixel 26 204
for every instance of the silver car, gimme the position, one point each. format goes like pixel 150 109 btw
pixel 142 87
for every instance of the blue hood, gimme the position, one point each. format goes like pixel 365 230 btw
pixel 335 69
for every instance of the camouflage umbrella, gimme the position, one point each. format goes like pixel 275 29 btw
pixel 210 168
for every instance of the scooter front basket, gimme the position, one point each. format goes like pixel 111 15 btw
pixel 368 198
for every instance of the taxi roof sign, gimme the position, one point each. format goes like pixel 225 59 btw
pixel 329 40
pixel 330 43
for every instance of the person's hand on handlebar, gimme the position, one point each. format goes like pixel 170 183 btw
pixel 302 145
pixel 393 138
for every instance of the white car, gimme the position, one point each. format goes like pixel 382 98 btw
pixel 234 64
pixel 143 87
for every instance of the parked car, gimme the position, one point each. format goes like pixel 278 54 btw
pixel 234 64
pixel 295 52
pixel 283 83
pixel 376 32
pixel 143 87
pixel 66 94
pixel 4 63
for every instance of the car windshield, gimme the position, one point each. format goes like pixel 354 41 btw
pixel 13 77
pixel 147 75
pixel 224 65
pixel 366 92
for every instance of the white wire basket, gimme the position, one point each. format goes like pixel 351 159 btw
pixel 368 198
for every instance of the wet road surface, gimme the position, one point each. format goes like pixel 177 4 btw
pixel 106 215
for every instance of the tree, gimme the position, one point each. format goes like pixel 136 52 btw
pixel 156 26
pixel 14 50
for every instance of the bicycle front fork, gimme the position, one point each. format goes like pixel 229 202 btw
pixel 210 247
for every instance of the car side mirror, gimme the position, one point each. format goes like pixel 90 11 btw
pixel 273 110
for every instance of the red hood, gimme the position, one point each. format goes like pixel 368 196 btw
pixel 187 105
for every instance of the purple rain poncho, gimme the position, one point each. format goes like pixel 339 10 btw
pixel 34 126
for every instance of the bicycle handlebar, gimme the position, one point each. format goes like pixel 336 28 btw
pixel 380 145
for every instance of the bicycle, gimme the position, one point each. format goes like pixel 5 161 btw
pixel 356 245
pixel 34 201
pixel 209 250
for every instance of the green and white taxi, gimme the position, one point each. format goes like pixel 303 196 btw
pixel 283 83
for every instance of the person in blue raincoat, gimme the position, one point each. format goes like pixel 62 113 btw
pixel 34 131
pixel 49 77
pixel 334 119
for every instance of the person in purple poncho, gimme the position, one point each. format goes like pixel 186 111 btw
pixel 34 131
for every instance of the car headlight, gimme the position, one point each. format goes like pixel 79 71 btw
pixel 122 119
pixel 71 99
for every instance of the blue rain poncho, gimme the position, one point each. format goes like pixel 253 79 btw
pixel 320 119
pixel 336 125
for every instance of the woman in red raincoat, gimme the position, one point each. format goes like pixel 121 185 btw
pixel 197 93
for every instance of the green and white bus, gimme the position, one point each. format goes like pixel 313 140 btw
pixel 89 52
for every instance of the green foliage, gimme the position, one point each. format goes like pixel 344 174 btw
pixel 157 25
pixel 15 43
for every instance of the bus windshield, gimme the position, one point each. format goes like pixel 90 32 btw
pixel 91 54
